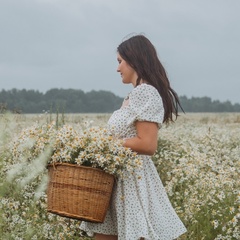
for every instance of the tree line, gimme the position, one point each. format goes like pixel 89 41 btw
pixel 77 101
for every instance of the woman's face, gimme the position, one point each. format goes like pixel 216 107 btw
pixel 128 74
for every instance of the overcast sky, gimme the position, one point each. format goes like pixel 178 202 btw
pixel 48 44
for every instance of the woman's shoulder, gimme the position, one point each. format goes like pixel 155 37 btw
pixel 145 95
pixel 146 103
pixel 145 89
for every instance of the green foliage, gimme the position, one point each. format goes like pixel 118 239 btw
pixel 59 100
pixel 77 101
pixel 206 104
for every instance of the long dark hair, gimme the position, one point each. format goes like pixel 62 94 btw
pixel 141 55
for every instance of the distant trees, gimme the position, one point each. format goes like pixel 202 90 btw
pixel 62 100
pixel 205 104
pixel 77 101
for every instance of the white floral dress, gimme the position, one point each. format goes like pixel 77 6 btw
pixel 139 206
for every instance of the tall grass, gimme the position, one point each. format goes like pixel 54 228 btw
pixel 198 159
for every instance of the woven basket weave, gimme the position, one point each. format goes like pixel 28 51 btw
pixel 79 192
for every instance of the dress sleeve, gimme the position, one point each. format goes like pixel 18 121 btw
pixel 145 104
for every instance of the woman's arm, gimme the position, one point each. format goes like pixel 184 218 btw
pixel 146 140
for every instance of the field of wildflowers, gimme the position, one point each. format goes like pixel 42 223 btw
pixel 198 159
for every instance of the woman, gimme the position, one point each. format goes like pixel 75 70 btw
pixel 139 207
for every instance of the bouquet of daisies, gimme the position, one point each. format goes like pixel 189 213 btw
pixel 91 146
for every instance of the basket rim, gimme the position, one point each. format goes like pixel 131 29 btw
pixel 76 165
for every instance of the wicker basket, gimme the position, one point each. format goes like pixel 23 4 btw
pixel 79 192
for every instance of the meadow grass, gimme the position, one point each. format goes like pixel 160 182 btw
pixel 198 160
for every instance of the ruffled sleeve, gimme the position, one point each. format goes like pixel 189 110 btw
pixel 145 104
